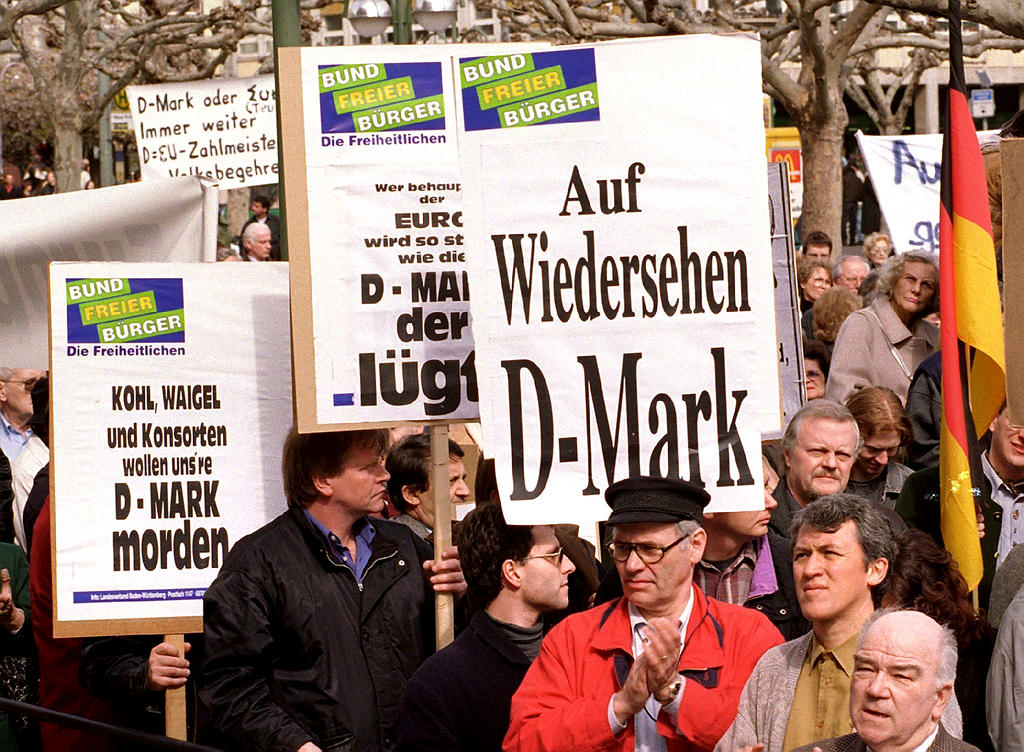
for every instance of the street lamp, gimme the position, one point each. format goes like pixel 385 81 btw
pixel 371 17
pixel 434 15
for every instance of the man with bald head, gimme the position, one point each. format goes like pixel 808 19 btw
pixel 903 676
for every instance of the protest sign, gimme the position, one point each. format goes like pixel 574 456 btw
pixel 223 128
pixel 787 302
pixel 622 303
pixel 375 219
pixel 171 400
pixel 905 172
pixel 162 220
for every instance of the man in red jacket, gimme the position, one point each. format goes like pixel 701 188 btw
pixel 661 668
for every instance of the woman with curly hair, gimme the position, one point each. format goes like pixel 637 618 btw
pixel 813 277
pixel 830 311
pixel 923 577
pixel 877 248
pixel 883 344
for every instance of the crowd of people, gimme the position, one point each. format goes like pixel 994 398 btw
pixel 831 618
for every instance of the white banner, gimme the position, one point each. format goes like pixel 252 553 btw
pixel 622 304
pixel 171 400
pixel 906 172
pixel 380 289
pixel 164 220
pixel 223 128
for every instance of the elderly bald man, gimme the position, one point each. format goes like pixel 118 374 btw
pixel 903 676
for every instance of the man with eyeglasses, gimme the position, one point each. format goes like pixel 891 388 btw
pixel 999 501
pixel 660 668
pixel 16 408
pixel 459 698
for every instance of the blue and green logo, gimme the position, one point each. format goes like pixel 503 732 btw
pixel 109 311
pixel 510 91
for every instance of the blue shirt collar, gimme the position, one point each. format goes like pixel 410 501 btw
pixel 364 534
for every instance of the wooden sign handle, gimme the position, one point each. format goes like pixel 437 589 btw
pixel 175 714
pixel 444 603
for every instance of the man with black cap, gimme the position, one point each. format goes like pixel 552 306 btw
pixel 659 669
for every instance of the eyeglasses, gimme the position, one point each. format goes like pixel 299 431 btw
pixel 556 557
pixel 873 451
pixel 648 552
pixel 26 384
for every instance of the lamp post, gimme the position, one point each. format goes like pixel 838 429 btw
pixel 370 18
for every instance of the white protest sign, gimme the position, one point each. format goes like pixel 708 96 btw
pixel 905 172
pixel 161 220
pixel 380 290
pixel 171 401
pixel 222 128
pixel 622 304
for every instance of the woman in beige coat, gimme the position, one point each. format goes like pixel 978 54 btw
pixel 883 344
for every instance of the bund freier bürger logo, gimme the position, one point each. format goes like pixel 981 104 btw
pixel 109 311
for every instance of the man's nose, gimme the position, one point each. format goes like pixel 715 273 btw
pixel 461 489
pixel 829 459
pixel 813 565
pixel 633 562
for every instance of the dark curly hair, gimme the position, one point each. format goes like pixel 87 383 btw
pixel 486 542
pixel 925 578
pixel 408 463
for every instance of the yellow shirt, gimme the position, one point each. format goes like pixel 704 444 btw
pixel 821 702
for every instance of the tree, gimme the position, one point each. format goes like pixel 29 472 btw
pixel 1002 15
pixel 886 92
pixel 65 42
pixel 809 54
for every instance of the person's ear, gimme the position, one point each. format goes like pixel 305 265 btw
pixel 322 485
pixel 510 574
pixel 411 495
pixel 942 696
pixel 698 541
pixel 877 570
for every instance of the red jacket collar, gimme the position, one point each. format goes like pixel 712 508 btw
pixel 614 633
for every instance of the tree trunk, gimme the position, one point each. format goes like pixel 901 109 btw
pixel 821 146
pixel 238 209
pixel 67 155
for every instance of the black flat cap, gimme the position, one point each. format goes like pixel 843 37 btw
pixel 655 500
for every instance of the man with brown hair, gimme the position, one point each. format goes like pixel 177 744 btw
pixel 317 620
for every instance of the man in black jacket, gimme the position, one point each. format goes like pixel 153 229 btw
pixel 459 699
pixel 317 620
pixel 747 563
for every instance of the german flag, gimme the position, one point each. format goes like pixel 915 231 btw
pixel 973 363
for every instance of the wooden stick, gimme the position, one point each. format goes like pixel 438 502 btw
pixel 444 603
pixel 175 714
pixel 1011 159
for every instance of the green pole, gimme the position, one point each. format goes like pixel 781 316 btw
pixel 287 33
pixel 401 20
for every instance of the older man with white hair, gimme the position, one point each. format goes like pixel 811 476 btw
pixel 903 676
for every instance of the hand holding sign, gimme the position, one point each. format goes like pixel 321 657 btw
pixel 446 575
pixel 11 617
pixel 167 670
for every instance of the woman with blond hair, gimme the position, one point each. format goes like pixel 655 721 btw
pixel 883 344
pixel 877 248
